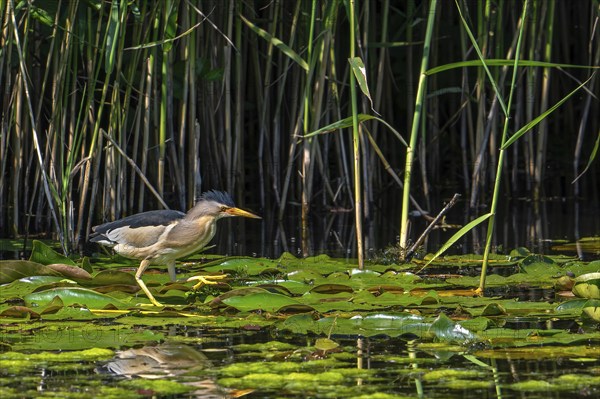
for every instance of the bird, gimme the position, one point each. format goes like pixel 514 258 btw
pixel 161 237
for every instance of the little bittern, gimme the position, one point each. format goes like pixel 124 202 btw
pixel 162 237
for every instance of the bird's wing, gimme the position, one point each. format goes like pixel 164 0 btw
pixel 140 230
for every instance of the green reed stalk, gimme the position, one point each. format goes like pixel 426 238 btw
pixel 307 144
pixel 498 176
pixel 410 150
pixel 355 145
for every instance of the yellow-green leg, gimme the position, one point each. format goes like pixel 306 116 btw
pixel 206 280
pixel 138 277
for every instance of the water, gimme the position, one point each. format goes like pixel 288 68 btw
pixel 204 362
pixel 519 223
pixel 209 361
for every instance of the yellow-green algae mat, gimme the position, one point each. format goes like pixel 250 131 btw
pixel 315 327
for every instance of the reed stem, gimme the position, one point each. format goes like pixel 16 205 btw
pixel 410 150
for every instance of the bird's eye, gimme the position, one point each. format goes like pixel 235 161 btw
pixel 223 208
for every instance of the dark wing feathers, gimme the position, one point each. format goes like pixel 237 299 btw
pixel 145 228
pixel 125 229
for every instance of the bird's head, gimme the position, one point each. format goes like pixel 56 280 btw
pixel 217 204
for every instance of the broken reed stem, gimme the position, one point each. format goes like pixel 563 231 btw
pixel 137 169
pixel 409 254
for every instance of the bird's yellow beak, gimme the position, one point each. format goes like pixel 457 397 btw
pixel 241 212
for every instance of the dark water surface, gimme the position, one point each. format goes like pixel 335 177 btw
pixel 209 361
pixel 519 223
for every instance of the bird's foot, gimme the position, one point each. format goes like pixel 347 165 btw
pixel 202 280
pixel 151 305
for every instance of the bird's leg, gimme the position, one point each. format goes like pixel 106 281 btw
pixel 172 271
pixel 138 277
pixel 206 280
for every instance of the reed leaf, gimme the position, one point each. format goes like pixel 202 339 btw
pixel 112 36
pixel 541 117
pixel 492 62
pixel 170 26
pixel 347 123
pixel 591 159
pixel 482 59
pixel 456 236
pixel 277 43
pixel 360 73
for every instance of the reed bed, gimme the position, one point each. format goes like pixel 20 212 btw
pixel 113 107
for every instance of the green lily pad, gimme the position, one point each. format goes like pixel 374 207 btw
pixel 42 253
pixel 331 288
pixel 266 301
pixel 593 312
pixel 447 330
pixel 586 244
pixel 325 344
pixel 112 277
pixel 587 286
pixel 72 296
pixel 69 271
pixel 246 266
pixel 11 270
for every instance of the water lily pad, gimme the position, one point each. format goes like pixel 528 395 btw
pixel 304 276
pixel 587 286
pixel 331 288
pixel 70 271
pixel 19 312
pixel 325 344
pixel 42 253
pixel 11 270
pixel 493 309
pixel 390 324
pixel 593 312
pixel 267 301
pixel 110 277
pixel 71 296
pixel 246 266
pixel 586 244
pixel 448 330
pixel 536 258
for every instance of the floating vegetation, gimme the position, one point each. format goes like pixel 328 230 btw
pixel 315 325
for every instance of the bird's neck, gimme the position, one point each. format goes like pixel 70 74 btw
pixel 193 233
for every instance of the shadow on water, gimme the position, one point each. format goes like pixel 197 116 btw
pixel 277 365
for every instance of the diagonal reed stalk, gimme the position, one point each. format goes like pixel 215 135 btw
pixel 34 132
